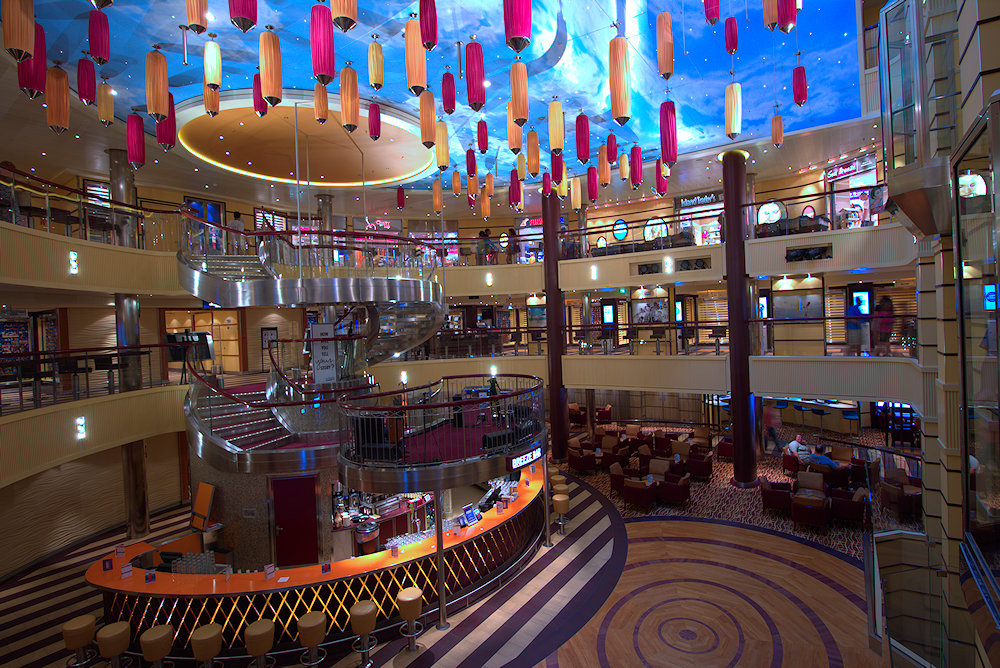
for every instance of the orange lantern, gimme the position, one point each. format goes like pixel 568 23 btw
pixel 157 94
pixel 349 97
pixel 621 81
pixel 777 131
pixel 519 91
pixel 436 196
pixel 770 14
pixel 416 57
pixel 270 67
pixel 513 131
pixel 603 166
pixel 441 145
pixel 321 103
pixel 533 153
pixel 456 183
pixel 485 203
pixel 488 184
pixel 665 45
pixel 376 66
pixel 197 15
pixel 345 13
pixel 427 118
pixel 19 28
pixel 56 99
pixel 105 103
pixel 211 100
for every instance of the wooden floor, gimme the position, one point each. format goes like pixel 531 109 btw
pixel 702 593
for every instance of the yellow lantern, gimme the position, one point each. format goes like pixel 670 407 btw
pixel 376 73
pixel 57 99
pixel 665 45
pixel 562 188
pixel 157 95
pixel 19 28
pixel 211 100
pixel 456 183
pixel 436 196
pixel 349 98
pixel 777 131
pixel 321 103
pixel 575 194
pixel 427 118
pixel 557 134
pixel 734 110
pixel 534 165
pixel 105 104
pixel 621 81
pixel 416 57
pixel 522 167
pixel 623 167
pixel 485 204
pixel 213 64
pixel 603 166
pixel 197 15
pixel 270 67
pixel 441 145
pixel 519 91
pixel 513 131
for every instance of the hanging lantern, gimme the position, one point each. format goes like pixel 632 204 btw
pixel 546 184
pixel 562 188
pixel 485 204
pixel 777 131
pixel 770 14
pixel 349 97
pixel 456 183
pixel 470 162
pixel 557 131
pixel 592 187
pixel 517 23
pixel 612 148
pixel 18 28
pixel 98 37
pixel 533 153
pixel 583 138
pixel 661 180
pixel 576 194
pixel 668 133
pixel 522 167
pixel 427 118
pixel 621 82
pixel 270 67
pixel 86 81
pixel 56 99
pixel 514 189
pixel 441 145
pixel 105 104
pixel 519 91
pixel 197 11
pixel 488 184
pixel 321 43
pixel 787 15
pixel 321 103
pixel 400 198
pixel 213 64
pixel 259 105
pixel 799 89
pixel 483 136
pixel 211 101
pixel 635 167
pixel 475 75
pixel 156 85
pixel 376 73
pixel 732 35
pixel 428 24
pixel 135 141
pixel 243 14
pixel 603 166
pixel 31 72
pixel 166 130
pixel 665 45
pixel 448 91
pixel 556 161
pixel 374 121
pixel 623 167
pixel 734 110
pixel 345 13
pixel 513 132
pixel 472 185
pixel 416 58
pixel 712 11
pixel 472 201
pixel 436 197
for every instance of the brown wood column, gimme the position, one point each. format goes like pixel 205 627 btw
pixel 554 329
pixel 741 402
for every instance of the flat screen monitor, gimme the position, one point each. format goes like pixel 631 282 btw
pixel 608 314
pixel 989 297
pixel 678 311
pixel 863 299
pixel 762 307
pixel 469 514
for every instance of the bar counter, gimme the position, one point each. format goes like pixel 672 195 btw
pixel 474 559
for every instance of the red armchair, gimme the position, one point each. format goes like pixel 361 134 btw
pixel 675 490
pixel 865 473
pixel 617 478
pixel 645 456
pixel 581 461
pixel 789 464
pixel 604 414
pixel 724 448
pixel 638 493
pixel 700 466
pixel 776 496
pixel 849 506
pixel 834 478
pixel 811 511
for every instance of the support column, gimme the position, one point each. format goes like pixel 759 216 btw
pixel 554 327
pixel 591 413
pixel 741 403
pixel 122 189
pixel 324 207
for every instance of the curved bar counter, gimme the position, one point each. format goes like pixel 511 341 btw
pixel 480 556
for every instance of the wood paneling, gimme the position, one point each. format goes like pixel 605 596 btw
pixel 287 320
pixel 163 472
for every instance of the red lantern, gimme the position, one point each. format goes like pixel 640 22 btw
pixel 86 81
pixel 475 75
pixel 583 138
pixel 321 43
pixel 712 11
pixel 483 136
pixel 472 201
pixel 517 23
pixel 428 24
pixel 31 72
pixel 593 187
pixel 448 92
pixel 787 15
pixel 668 133
pixel 732 35
pixel 99 38
pixel 514 190
pixel 259 105
pixel 661 180
pixel 546 184
pixel 635 167
pixel 400 198
pixel 557 167
pixel 612 145
pixel 470 163
pixel 135 141
pixel 374 121
pixel 799 85
pixel 243 14
pixel 166 130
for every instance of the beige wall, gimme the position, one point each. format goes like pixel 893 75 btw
pixel 287 320
pixel 979 55
pixel 163 472
pixel 93 327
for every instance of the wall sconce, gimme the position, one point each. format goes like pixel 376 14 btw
pixel 74 267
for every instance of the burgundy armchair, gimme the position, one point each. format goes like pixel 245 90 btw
pixel 617 478
pixel 789 464
pixel 581 461
pixel 674 489
pixel 865 473
pixel 776 496
pixel 811 511
pixel 834 478
pixel 637 493
pixel 645 456
pixel 604 414
pixel 700 466
pixel 849 506
pixel 724 448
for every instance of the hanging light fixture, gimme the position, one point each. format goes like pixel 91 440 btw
pixel 436 197
pixel 400 198
pixel 197 11
pixel 482 136
pixel 583 138
pixel 448 91
pixel 635 167
pixel 18 28
pixel 428 24
pixel 612 144
pixel 576 194
pixel 475 75
pixel 259 105
pixel 321 103
pixel 349 97
pixel 777 130
pixel 517 23
pixel 270 67
pixel 101 4
pixel 621 81
pixel 213 63
pixel 105 103
pixel 787 15
pixel 321 43
pixel 427 118
pixel 799 89
pixel 31 71
pixel 557 130
pixel 156 84
pixel 592 185
pixel 661 179
pixel 668 133
pixel 471 167
pixel 374 121
pixel 488 184
pixel 416 57
pixel 166 130
pixel 522 167
pixel 441 145
pixel 98 37
pixel 376 72
pixel 513 131
pixel 603 166
pixel 665 45
pixel 243 14
pixel 732 35
pixel 712 11
pixel 556 163
pixel 210 100
pixel 456 183
pixel 345 13
pixel 514 189
pixel 532 149
pixel 135 141
pixel 519 91
pixel 623 167
pixel 546 184
pixel 734 110
pixel 472 185
pixel 485 204
pixel 57 99
pixel 86 81
pixel 770 14
pixel 562 188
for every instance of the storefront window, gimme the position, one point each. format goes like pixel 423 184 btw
pixel 654 228
pixel 619 230
pixel 849 185
pixel 704 223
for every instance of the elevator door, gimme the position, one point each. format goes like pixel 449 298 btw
pixel 294 530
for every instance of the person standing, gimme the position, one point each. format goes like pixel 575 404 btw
pixel 883 325
pixel 513 246
pixel 481 247
pixel 237 242
pixel 852 327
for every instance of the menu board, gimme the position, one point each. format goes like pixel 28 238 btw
pixel 324 366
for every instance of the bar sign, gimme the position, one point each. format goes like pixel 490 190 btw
pixel 520 461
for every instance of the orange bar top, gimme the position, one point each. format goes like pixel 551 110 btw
pixel 186 585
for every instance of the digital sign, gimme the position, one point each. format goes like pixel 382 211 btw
pixel 520 461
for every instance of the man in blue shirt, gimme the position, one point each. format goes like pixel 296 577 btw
pixel 820 457
pixel 852 327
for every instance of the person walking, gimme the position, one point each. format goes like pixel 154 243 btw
pixel 513 246
pixel 852 327
pixel 772 420
pixel 883 325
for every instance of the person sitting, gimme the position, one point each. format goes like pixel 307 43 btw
pixel 820 458
pixel 799 449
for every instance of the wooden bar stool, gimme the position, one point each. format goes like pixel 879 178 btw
pixel 206 643
pixel 259 639
pixel 112 641
pixel 78 634
pixel 156 643
pixel 557 479
pixel 560 502
pixel 363 614
pixel 312 630
pixel 410 601
pixel 560 489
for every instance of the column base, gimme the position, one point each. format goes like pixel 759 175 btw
pixel 744 485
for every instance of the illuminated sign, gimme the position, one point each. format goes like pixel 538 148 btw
pixel 520 461
pixel 700 199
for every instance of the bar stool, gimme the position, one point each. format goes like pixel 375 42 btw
pixel 312 630
pixel 409 601
pixel 156 642
pixel 112 641
pixel 206 643
pixel 78 634
pixel 363 615
pixel 821 413
pixel 781 404
pixel 560 502
pixel 557 479
pixel 852 417
pixel 802 413
pixel 258 638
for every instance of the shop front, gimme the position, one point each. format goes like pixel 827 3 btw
pixel 849 187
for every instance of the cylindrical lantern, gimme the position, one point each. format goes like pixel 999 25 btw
pixel 428 24
pixel 374 121
pixel 562 188
pixel 603 166
pixel 770 14
pixel 661 180
pixel 557 130
pixel 321 43
pixel 533 153
pixel 514 189
pixel 416 58
pixel 270 68
pixel 427 118
pixel 522 167
pixel 665 45
pixel 18 28
pixel 213 65
pixel 482 136
pixel 86 81
pixel 475 75
pixel 592 186
pixel 621 82
pixel 166 130
pixel 732 35
pixel 799 89
pixel 156 85
pixel 57 99
pixel 345 13
pixel 105 104
pixel 470 162
pixel 400 198
pixel 556 163
pixel 787 15
pixel 519 91
pixel 513 131
pixel 210 99
pixel 582 138
pixel 448 92
pixel 635 167
pixel 485 204
pixel 98 37
pixel 576 196
pixel 31 72
pixel 472 201
pixel 472 185
pixel 456 183
pixel 712 11
pixel 546 184
pixel 436 196
pixel 734 110
pixel 612 148
pixel 668 133
pixel 243 14
pixel 623 167
pixel 135 141
pixel 321 103
pixel 441 145
pixel 488 184
pixel 376 73
pixel 777 131
pixel 259 105
pixel 349 98
pixel 517 23
pixel 197 15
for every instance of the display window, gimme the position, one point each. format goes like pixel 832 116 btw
pixel 849 185
pixel 704 222
pixel 654 228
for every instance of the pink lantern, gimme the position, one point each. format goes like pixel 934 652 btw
pixel 732 35
pixel 712 11
pixel 593 188
pixel 483 136
pixel 374 121
pixel 243 14
pixel 400 198
pixel 428 24
pixel 475 75
pixel 86 81
pixel 259 104
pixel 635 167
pixel 514 190
pixel 546 184
pixel 321 42
pixel 31 71
pixel 612 149
pixel 135 141
pixel 583 138
pixel 98 37
pixel 517 23
pixel 166 130
pixel 799 85
pixel 787 15
pixel 557 167
pixel 668 133
pixel 470 163
pixel 448 92
pixel 661 180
